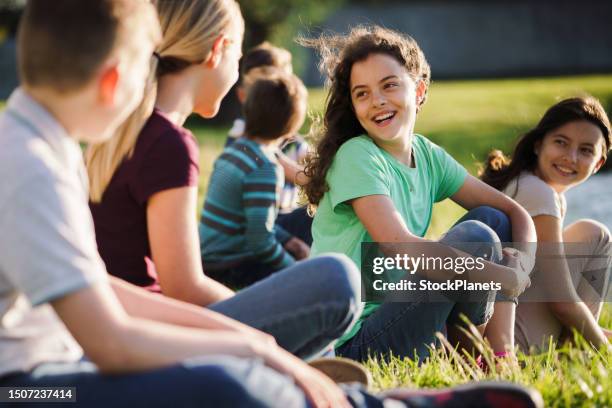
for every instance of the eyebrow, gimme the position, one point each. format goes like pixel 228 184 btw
pixel 382 80
pixel 561 135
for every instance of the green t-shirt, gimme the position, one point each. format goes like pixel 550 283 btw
pixel 360 168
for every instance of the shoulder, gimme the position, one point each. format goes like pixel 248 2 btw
pixel 428 148
pixel 535 195
pixel 159 136
pixel 24 159
pixel 358 148
pixel 528 183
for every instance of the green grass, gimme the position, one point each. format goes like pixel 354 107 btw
pixel 468 118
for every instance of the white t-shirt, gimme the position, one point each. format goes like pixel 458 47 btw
pixel 47 239
pixel 537 197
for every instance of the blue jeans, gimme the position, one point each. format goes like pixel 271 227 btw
pixel 305 307
pixel 408 329
pixel 219 381
pixel 298 223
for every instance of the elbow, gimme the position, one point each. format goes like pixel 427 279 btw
pixel 110 354
pixel 561 310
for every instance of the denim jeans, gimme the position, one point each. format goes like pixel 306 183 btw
pixel 219 381
pixel 298 223
pixel 408 329
pixel 305 307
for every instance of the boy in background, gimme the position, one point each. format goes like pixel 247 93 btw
pixel 240 242
pixel 291 216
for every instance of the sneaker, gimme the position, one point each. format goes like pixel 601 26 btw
pixel 342 370
pixel 472 395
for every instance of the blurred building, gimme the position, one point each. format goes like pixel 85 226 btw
pixel 494 38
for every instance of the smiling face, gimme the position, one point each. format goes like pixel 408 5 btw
pixel 384 98
pixel 569 154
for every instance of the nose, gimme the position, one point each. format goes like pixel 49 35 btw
pixel 379 99
pixel 572 155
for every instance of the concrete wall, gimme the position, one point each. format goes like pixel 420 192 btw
pixel 464 39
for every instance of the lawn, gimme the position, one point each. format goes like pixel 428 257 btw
pixel 468 118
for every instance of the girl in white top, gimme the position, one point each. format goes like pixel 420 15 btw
pixel 568 145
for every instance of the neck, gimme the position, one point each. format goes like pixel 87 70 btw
pixel 67 110
pixel 175 97
pixel 401 149
pixel 266 143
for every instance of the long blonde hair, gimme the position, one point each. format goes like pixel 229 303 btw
pixel 189 30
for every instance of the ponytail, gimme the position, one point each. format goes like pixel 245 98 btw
pixel 189 31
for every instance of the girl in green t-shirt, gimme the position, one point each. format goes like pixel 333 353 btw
pixel 372 179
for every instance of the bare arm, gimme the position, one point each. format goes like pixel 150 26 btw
pixel 119 343
pixel 475 193
pixel 571 310
pixel 294 172
pixel 385 225
pixel 140 303
pixel 174 240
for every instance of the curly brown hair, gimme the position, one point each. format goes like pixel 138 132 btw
pixel 499 170
pixel 338 54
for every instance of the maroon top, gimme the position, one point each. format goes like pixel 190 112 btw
pixel 165 157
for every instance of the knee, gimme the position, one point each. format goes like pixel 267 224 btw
pixel 476 238
pixel 496 219
pixel 587 230
pixel 477 231
pixel 340 274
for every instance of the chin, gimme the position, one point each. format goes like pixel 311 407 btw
pixel 208 112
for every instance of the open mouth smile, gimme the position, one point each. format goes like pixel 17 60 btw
pixel 383 119
pixel 564 171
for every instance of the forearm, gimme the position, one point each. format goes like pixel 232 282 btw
pixel 142 304
pixel 294 172
pixel 576 315
pixel 142 344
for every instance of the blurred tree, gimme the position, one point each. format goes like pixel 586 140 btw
pixel 264 18
pixel 278 21
pixel 10 10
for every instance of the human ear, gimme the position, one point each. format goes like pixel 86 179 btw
pixel 421 91
pixel 600 163
pixel 214 56
pixel 241 94
pixel 107 85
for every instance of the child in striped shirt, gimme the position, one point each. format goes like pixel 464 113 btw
pixel 240 242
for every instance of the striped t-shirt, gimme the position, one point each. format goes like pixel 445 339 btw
pixel 238 219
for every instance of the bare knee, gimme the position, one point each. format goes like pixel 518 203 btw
pixel 586 230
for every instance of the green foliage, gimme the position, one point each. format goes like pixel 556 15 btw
pixel 279 20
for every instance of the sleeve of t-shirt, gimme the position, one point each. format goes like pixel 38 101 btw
pixel 538 198
pixel 448 174
pixel 357 171
pixel 172 161
pixel 48 247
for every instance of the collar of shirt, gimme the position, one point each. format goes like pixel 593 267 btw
pixel 38 121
